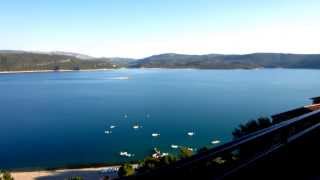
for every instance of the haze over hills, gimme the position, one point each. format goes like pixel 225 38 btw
pixel 24 60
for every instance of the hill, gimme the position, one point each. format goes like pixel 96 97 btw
pixel 24 61
pixel 219 61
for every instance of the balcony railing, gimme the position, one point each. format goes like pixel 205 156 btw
pixel 228 158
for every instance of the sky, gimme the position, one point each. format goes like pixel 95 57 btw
pixel 140 28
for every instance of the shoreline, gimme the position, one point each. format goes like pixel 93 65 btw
pixel 46 71
pixel 86 173
pixel 166 68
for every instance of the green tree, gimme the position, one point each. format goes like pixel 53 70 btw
pixel 5 175
pixel 185 152
pixel 251 126
pixel 166 160
pixel 126 170
pixel 105 178
pixel 75 178
pixel 203 149
pixel 150 163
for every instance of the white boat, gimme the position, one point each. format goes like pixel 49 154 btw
pixel 164 154
pixel 156 150
pixel 158 154
pixel 173 146
pixel 123 153
pixel 112 127
pixel 155 134
pixel 120 78
pixel 135 126
pixel 190 149
pixel 190 133
pixel 126 154
pixel 215 142
pixel 107 132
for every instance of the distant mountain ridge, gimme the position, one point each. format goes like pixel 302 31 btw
pixel 12 60
pixel 220 61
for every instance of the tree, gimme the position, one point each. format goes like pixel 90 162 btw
pixel 105 178
pixel 149 163
pixel 166 160
pixel 251 126
pixel 5 175
pixel 185 152
pixel 75 178
pixel 126 170
pixel 203 149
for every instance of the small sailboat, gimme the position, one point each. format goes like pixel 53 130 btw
pixel 123 153
pixel 121 78
pixel 156 150
pixel 190 149
pixel 155 134
pixel 215 142
pixel 126 154
pixel 135 126
pixel 173 146
pixel 107 132
pixel 190 133
pixel 164 154
pixel 157 154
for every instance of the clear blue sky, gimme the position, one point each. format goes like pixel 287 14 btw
pixel 138 28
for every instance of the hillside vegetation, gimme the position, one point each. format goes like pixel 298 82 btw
pixel 217 61
pixel 23 61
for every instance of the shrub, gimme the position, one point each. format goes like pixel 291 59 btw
pixel 126 170
pixel 251 126
pixel 185 152
pixel 5 175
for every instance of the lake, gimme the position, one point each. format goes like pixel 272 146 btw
pixel 60 118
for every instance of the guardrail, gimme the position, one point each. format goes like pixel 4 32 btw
pixel 226 159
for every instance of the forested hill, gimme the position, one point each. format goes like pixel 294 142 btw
pixel 25 61
pixel 219 61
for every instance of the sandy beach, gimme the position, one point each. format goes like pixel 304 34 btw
pixel 86 173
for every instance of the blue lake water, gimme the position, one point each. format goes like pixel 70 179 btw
pixel 56 119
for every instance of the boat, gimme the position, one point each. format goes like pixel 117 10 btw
pixel 164 154
pixel 173 146
pixel 126 154
pixel 112 127
pixel 107 132
pixel 156 150
pixel 190 149
pixel 123 153
pixel 215 142
pixel 158 154
pixel 155 134
pixel 120 78
pixel 190 133
pixel 135 126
